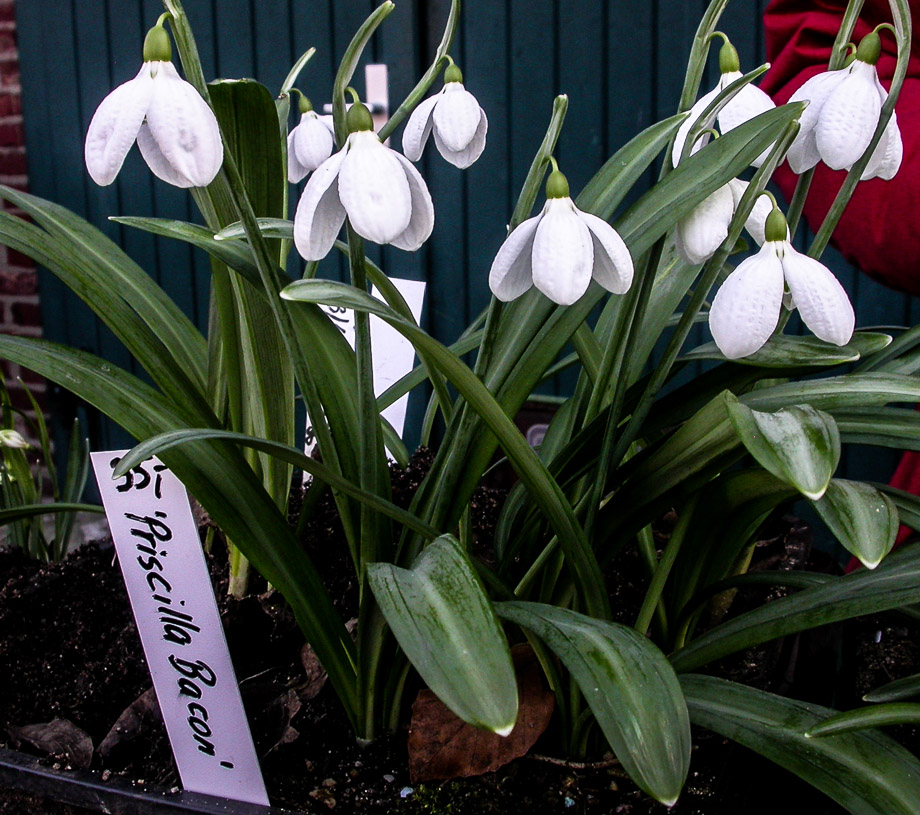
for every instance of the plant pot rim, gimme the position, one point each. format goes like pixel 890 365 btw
pixel 86 789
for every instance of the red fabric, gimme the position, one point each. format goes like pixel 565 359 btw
pixel 880 229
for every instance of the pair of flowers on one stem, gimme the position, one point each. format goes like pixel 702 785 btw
pixel 837 127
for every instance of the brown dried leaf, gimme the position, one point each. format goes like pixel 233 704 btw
pixel 133 721
pixel 59 737
pixel 316 675
pixel 443 746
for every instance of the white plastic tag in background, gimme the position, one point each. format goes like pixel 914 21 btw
pixel 166 576
pixel 394 355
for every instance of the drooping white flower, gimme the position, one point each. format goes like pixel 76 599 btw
pixel 699 234
pixel 454 116
pixel 176 131
pixel 746 309
pixel 843 111
pixel 559 251
pixel 383 195
pixel 749 102
pixel 310 143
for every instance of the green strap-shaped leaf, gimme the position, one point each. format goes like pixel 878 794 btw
pixel 798 444
pixel 864 520
pixel 159 444
pixel 630 687
pixel 866 772
pixel 905 688
pixel 31 510
pixel 441 617
pixel 866 717
pixel 796 352
pixel 895 583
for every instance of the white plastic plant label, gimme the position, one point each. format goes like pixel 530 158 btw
pixel 166 576
pixel 394 355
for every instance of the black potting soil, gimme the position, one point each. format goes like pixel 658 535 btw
pixel 69 651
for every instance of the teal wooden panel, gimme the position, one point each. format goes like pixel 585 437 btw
pixel 516 55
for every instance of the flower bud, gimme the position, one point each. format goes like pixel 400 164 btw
pixel 870 48
pixel 157 47
pixel 775 228
pixel 453 74
pixel 729 62
pixel 359 118
pixel 557 185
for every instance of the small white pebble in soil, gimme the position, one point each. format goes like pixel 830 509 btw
pixel 405 792
pixel 389 778
pixel 568 801
pixel 878 637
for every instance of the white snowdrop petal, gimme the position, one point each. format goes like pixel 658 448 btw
pixel 803 153
pixel 422 220
pixel 815 91
pixel 749 102
pixel 757 221
pixel 456 116
pixel 320 214
pixel 848 118
pixel 158 163
pixel 312 140
pixel 296 171
pixel 184 127
pixel 417 129
pixel 745 310
pixel 511 274
pixel 888 154
pixel 821 300
pixel 464 158
pixel 373 189
pixel 613 265
pixel 563 253
pixel 706 227
pixel 114 126
pixel 693 114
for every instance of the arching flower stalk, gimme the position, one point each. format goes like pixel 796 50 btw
pixel 176 131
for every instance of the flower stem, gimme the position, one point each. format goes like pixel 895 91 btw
pixel 424 84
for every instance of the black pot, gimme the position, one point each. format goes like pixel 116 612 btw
pixel 37 786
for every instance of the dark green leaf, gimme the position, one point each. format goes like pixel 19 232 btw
pixel 442 619
pixel 632 691
pixel 866 772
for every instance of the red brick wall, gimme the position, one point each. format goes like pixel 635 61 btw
pixel 19 310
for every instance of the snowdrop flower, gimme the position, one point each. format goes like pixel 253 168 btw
pixel 12 439
pixel 746 308
pixel 747 103
pixel 383 195
pixel 176 131
pixel 454 116
pixel 559 251
pixel 841 117
pixel 703 231
pixel 310 143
